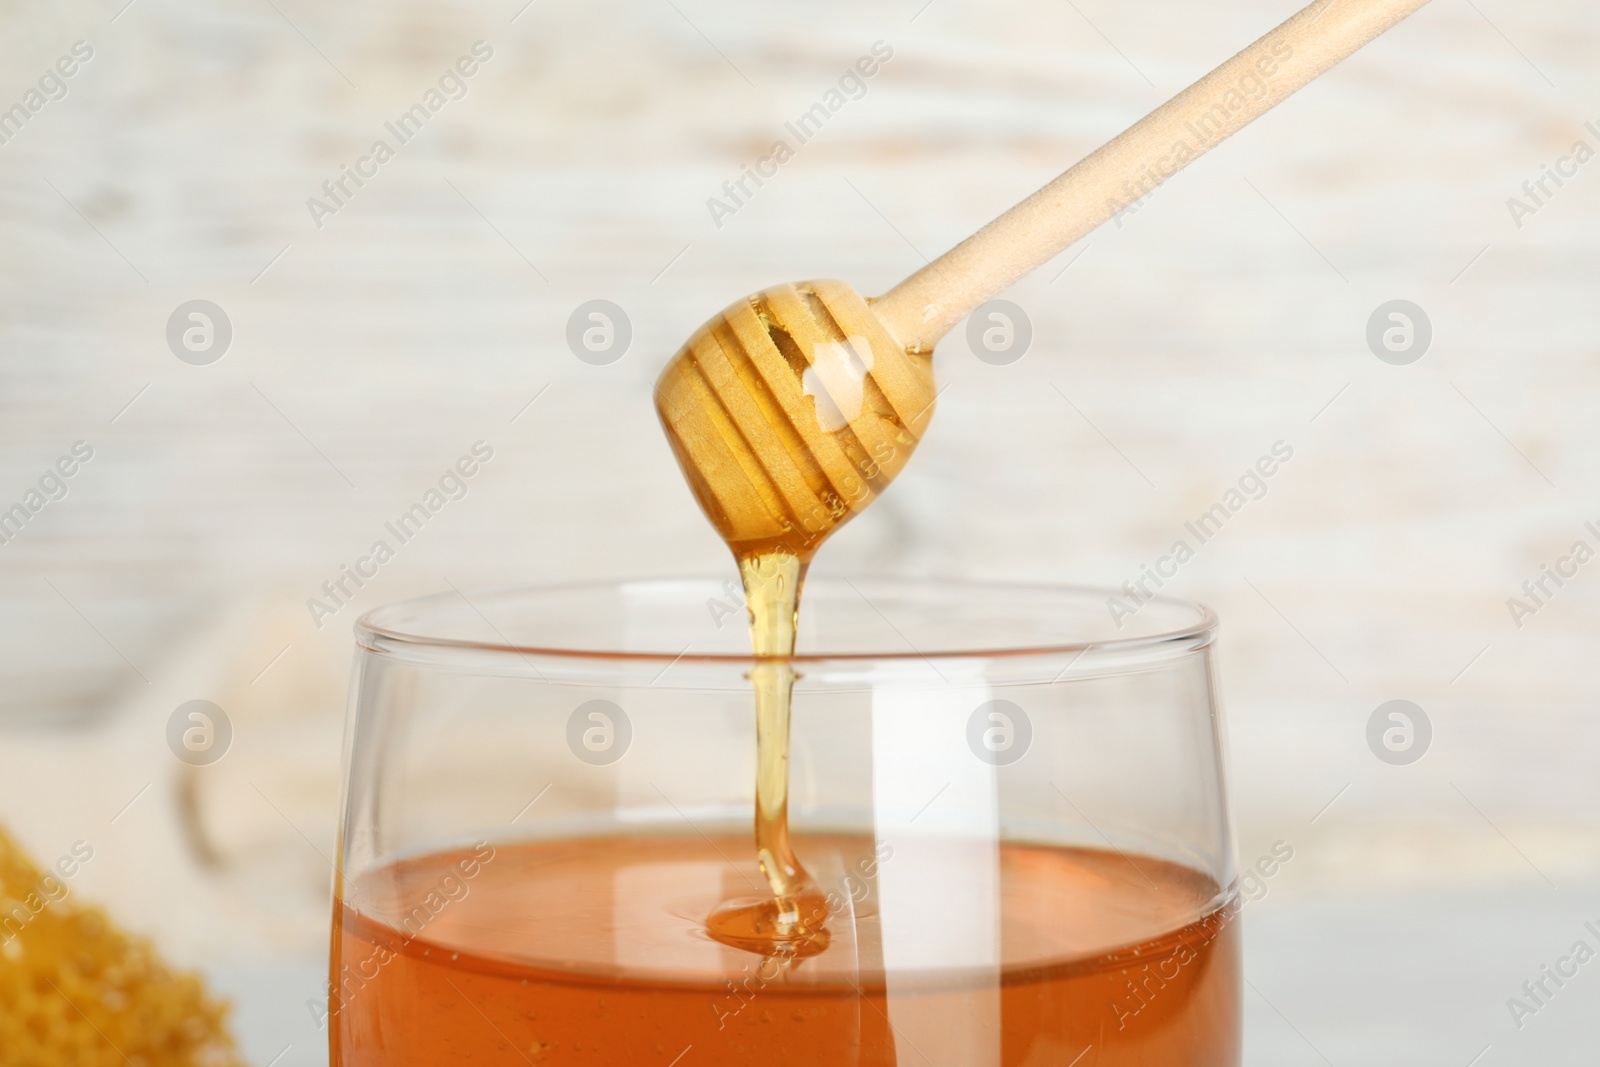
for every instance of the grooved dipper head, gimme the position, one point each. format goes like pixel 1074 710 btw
pixel 790 412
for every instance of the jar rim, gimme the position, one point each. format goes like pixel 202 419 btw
pixel 432 627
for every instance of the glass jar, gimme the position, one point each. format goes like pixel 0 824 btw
pixel 1012 796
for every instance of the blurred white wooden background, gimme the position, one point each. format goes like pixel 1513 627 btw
pixel 1227 314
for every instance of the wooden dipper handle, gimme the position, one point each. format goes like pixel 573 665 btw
pixel 791 410
pixel 924 307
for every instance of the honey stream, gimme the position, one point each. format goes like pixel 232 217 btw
pixel 789 923
pixel 789 413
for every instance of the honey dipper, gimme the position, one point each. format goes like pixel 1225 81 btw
pixel 792 409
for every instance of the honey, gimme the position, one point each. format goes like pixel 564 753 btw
pixel 590 952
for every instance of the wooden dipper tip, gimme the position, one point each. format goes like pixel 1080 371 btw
pixel 790 412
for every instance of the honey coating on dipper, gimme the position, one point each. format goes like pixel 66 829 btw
pixel 789 413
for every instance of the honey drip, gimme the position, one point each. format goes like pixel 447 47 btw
pixel 789 923
pixel 790 412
